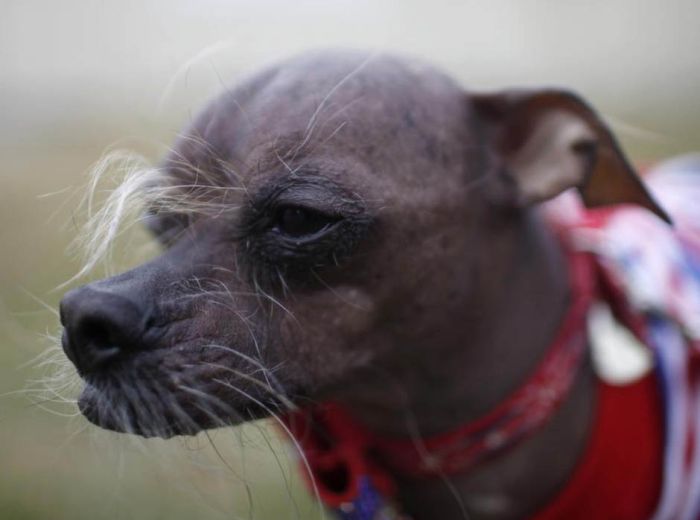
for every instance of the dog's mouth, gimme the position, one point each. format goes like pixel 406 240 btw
pixel 156 418
pixel 147 396
pixel 159 378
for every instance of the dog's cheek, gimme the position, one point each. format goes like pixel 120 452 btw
pixel 351 310
pixel 328 335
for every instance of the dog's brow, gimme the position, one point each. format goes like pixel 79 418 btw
pixel 280 151
pixel 308 184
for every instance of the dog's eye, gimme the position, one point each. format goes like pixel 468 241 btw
pixel 296 222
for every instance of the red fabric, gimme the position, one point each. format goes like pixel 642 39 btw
pixel 619 476
pixel 337 451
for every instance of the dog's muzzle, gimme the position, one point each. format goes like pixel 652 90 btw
pixel 101 327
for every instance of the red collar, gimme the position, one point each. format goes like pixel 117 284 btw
pixel 339 451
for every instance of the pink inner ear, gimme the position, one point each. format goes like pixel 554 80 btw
pixel 549 160
pixel 551 140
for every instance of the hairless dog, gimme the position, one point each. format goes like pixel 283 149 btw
pixel 361 231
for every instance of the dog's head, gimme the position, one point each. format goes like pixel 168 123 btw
pixel 342 213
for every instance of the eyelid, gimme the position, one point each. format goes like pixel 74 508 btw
pixel 317 200
pixel 312 208
pixel 308 191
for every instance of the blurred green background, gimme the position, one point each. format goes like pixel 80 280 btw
pixel 80 77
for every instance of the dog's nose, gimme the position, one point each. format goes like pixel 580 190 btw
pixel 100 327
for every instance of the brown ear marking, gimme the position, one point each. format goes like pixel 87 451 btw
pixel 550 140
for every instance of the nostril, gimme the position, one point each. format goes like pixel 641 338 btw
pixel 97 333
pixel 100 327
pixel 96 341
pixel 150 321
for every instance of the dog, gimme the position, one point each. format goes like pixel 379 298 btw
pixel 358 246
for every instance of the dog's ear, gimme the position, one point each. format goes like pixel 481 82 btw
pixel 551 140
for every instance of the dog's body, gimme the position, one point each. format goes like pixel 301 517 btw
pixel 360 230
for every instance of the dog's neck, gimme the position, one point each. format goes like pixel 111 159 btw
pixel 519 304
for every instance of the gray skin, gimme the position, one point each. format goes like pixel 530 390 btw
pixel 375 241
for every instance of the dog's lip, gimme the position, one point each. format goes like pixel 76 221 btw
pixel 124 362
pixel 103 374
pixel 87 404
pixel 92 394
pixel 103 400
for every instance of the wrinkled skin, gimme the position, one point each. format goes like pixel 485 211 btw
pixel 320 310
pixel 361 242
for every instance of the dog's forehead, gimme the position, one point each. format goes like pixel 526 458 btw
pixel 376 93
pixel 323 106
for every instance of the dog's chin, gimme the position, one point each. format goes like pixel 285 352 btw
pixel 166 417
